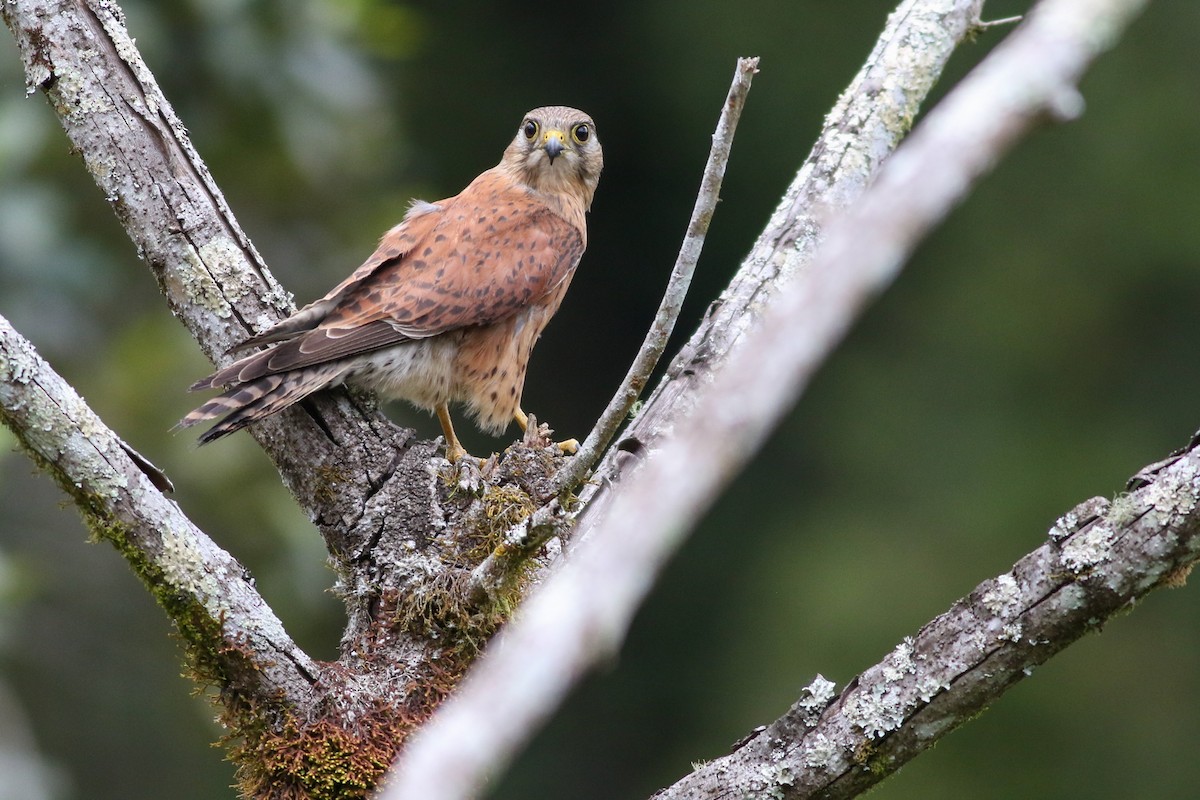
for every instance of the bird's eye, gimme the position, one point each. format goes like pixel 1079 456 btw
pixel 530 129
pixel 581 133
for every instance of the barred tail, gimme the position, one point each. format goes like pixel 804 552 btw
pixel 260 398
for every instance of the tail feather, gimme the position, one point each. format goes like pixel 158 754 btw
pixel 241 371
pixel 259 398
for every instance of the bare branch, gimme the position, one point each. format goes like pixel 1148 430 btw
pixel 233 637
pixel 580 614
pixel 681 278
pixel 996 23
pixel 1100 559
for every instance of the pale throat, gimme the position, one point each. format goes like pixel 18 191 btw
pixel 562 186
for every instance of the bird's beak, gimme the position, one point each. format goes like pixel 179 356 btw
pixel 554 142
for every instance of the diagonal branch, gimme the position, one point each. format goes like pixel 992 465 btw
pixel 866 124
pixel 1100 559
pixel 233 638
pixel 681 278
pixel 551 520
pixel 78 53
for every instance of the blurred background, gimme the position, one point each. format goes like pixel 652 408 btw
pixel 1039 349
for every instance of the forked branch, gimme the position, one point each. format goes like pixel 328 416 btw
pixel 582 611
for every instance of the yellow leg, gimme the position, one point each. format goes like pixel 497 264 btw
pixel 454 450
pixel 521 419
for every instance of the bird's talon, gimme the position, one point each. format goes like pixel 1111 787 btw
pixel 568 447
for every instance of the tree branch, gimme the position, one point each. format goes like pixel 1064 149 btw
pixel 865 125
pixel 334 453
pixel 1100 559
pixel 233 638
pixel 581 612
pixel 681 278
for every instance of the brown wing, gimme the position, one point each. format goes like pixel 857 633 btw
pixel 470 260
pixel 393 247
pixel 490 252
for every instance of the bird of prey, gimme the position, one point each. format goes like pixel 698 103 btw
pixel 448 307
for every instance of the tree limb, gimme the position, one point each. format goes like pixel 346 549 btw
pixel 335 453
pixel 681 278
pixel 580 614
pixel 233 638
pixel 866 124
pixel 1100 559
pixel 552 520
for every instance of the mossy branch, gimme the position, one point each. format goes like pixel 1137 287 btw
pixel 232 637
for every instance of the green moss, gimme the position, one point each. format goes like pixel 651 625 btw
pixel 279 757
pixel 329 481
pixel 322 759
pixel 501 508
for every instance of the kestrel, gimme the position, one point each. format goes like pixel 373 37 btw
pixel 448 307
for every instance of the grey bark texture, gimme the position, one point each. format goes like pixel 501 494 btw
pixel 582 612
pixel 407 534
pixel 1099 560
pixel 209 589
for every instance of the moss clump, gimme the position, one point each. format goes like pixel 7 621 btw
pixel 328 484
pixel 442 612
pixel 501 507
pixel 328 758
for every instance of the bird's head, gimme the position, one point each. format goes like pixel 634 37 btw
pixel 556 150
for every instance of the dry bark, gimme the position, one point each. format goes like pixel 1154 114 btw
pixel 406 535
pixel 580 615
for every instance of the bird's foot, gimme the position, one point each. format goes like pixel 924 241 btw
pixel 455 452
pixel 457 455
pixel 539 435
pixel 467 472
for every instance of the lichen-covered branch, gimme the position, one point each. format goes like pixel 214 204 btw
pixel 1100 559
pixel 335 453
pixel 233 638
pixel 866 124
